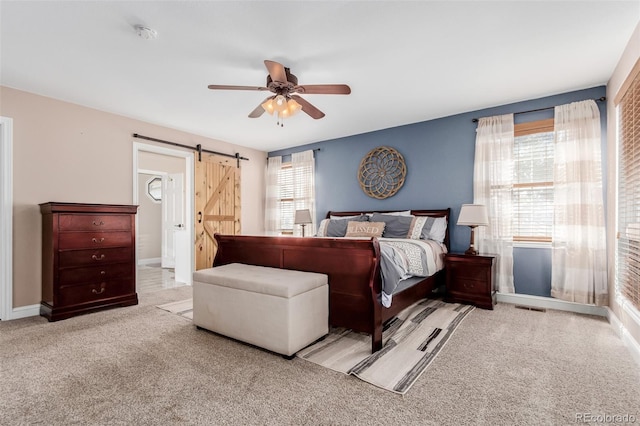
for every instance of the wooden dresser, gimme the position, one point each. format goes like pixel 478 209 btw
pixel 88 258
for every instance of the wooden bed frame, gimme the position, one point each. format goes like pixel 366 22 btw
pixel 352 265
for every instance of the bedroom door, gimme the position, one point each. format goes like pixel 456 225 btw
pixel 217 202
pixel 172 217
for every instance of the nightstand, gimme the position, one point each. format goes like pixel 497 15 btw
pixel 470 279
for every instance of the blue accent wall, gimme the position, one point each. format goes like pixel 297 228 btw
pixel 439 155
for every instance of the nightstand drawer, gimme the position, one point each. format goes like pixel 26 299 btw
pixel 466 286
pixel 469 272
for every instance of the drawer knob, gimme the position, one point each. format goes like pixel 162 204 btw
pixel 95 240
pixel 94 291
pixel 100 223
pixel 95 257
pixel 469 286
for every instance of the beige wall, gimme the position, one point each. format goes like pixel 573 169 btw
pixel 629 58
pixel 69 153
pixel 149 228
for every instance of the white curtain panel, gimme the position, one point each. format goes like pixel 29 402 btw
pixel 304 194
pixel 492 186
pixel 272 199
pixel 579 272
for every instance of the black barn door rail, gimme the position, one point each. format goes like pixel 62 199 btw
pixel 195 148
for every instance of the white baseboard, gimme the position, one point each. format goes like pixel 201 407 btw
pixel 24 312
pixel 620 329
pixel 149 261
pixel 549 303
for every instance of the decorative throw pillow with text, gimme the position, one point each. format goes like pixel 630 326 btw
pixel 365 229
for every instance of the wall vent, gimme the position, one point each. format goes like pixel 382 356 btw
pixel 531 308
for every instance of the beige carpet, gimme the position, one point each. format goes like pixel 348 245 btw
pixel 411 341
pixel 140 365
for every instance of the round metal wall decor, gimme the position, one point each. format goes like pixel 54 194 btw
pixel 381 173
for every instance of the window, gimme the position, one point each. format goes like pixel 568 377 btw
pixel 289 187
pixel 628 247
pixel 533 181
pixel 285 198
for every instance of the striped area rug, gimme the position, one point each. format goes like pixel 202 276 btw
pixel 184 308
pixel 411 341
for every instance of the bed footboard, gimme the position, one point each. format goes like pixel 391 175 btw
pixel 353 268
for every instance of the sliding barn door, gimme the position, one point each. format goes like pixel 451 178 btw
pixel 217 204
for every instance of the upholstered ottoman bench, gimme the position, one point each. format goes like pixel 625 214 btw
pixel 276 309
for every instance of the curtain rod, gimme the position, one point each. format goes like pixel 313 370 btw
pixel 314 150
pixel 196 148
pixel 601 99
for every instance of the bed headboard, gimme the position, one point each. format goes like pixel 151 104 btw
pixel 433 213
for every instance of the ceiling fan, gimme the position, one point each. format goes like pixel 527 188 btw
pixel 286 100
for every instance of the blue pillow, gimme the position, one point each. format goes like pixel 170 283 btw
pixel 338 227
pixel 395 226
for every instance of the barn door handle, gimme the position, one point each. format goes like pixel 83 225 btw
pixel 199 217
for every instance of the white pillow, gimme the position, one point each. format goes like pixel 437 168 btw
pixel 438 230
pixel 424 228
pixel 343 217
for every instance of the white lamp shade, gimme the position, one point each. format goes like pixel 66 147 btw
pixel 302 216
pixel 473 215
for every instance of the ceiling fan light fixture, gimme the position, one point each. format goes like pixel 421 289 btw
pixel 293 107
pixel 280 103
pixel 269 106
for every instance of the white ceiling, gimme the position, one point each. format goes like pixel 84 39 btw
pixel 405 61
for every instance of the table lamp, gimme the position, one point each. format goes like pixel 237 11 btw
pixel 473 215
pixel 302 218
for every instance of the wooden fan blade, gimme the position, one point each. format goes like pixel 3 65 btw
pixel 259 110
pixel 224 87
pixel 323 89
pixel 308 108
pixel 276 71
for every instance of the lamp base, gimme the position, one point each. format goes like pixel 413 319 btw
pixel 472 249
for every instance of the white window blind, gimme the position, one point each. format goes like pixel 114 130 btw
pixel 533 181
pixel 287 208
pixel 628 253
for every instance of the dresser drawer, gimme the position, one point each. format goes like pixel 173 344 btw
pixel 94 222
pixel 72 258
pixel 93 274
pixel 93 240
pixel 88 293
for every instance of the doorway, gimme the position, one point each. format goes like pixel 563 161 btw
pixel 169 182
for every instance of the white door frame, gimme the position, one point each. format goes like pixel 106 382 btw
pixel 189 191
pixel 6 218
